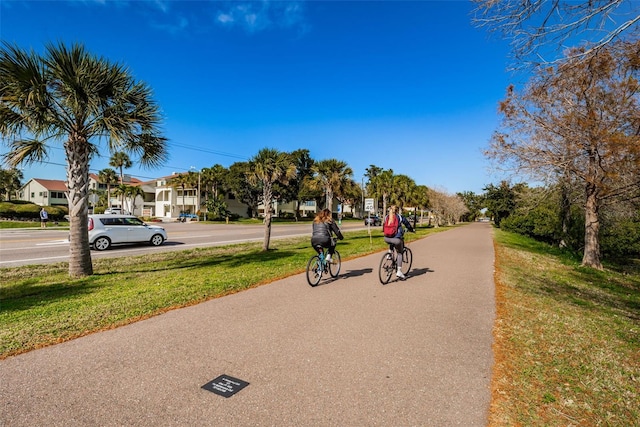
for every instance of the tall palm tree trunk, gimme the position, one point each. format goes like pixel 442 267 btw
pixel 122 195
pixel 329 197
pixel 266 196
pixel 78 155
pixel 183 205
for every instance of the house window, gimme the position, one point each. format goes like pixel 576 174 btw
pixel 33 195
pixel 163 196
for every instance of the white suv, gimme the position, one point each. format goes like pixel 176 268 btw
pixel 111 229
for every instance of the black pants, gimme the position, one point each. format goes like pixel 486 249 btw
pixel 325 242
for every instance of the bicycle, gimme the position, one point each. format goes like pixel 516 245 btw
pixel 389 264
pixel 318 265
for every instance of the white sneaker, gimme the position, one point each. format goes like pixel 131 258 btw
pixel 400 275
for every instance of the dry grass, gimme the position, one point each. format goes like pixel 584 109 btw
pixel 567 342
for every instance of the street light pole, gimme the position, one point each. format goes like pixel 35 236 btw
pixel 197 207
pixel 362 188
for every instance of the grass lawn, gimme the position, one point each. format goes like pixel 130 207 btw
pixel 32 224
pixel 567 339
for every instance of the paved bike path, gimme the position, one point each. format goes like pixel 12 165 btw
pixel 350 352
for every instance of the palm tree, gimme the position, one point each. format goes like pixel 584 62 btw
pixel 351 194
pixel 266 168
pixel 120 160
pixel 70 97
pixel 303 163
pixel 132 192
pixel 372 173
pixel 184 181
pixel 419 197
pixel 237 183
pixel 120 191
pixel 333 177
pixel 108 177
pixel 10 182
pixel 401 189
pixel 384 187
pixel 212 179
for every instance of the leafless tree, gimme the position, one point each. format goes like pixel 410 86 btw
pixel 579 120
pixel 446 208
pixel 540 30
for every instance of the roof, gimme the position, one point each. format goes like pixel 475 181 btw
pixel 52 184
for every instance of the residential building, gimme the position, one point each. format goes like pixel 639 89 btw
pixel 160 199
pixel 44 192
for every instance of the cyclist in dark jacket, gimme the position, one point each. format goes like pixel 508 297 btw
pixel 323 227
pixel 398 240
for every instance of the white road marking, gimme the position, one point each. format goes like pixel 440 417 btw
pixel 54 243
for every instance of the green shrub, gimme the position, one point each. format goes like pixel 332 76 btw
pixel 29 211
pixel 7 210
pixel 621 240
pixel 541 223
pixel 286 215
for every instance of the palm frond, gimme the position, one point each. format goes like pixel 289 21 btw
pixel 26 151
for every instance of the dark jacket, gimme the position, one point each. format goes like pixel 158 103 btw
pixel 322 231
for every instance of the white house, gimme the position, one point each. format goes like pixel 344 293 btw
pixel 44 192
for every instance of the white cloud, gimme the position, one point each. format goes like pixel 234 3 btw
pixel 224 18
pixel 256 16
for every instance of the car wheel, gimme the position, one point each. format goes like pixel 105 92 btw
pixel 156 240
pixel 102 243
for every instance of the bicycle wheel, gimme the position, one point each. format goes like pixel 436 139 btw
pixel 387 268
pixel 407 259
pixel 334 266
pixel 314 270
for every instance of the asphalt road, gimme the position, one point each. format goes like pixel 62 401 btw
pixel 30 246
pixel 350 352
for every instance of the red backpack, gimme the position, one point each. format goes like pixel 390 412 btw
pixel 390 226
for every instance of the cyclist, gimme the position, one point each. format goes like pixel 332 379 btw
pixel 323 227
pixel 398 239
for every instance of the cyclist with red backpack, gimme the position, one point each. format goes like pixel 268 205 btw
pixel 394 233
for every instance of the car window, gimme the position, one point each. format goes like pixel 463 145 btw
pixel 133 221
pixel 112 221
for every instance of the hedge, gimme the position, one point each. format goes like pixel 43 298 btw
pixel 21 211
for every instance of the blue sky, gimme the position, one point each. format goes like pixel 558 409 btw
pixel 408 86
